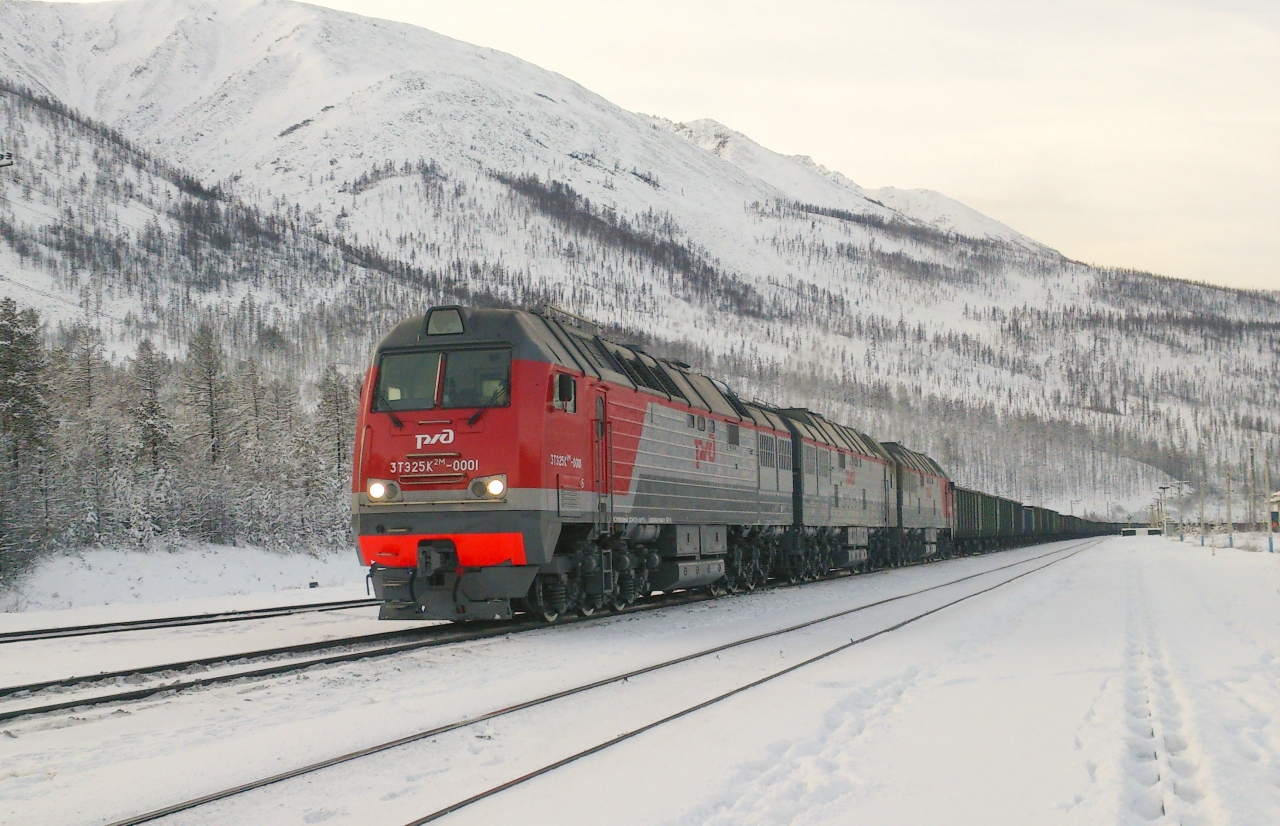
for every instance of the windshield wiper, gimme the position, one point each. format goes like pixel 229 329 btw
pixel 491 402
pixel 386 404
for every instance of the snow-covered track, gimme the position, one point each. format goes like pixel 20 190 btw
pixel 178 622
pixel 212 662
pixel 573 758
pixel 436 635
pixel 1060 554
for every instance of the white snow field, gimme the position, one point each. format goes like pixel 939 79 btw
pixel 1135 681
pixel 114 584
pixel 1242 540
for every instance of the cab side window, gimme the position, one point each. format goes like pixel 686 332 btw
pixel 565 392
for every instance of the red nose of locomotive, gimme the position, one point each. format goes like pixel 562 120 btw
pixel 417 467
pixel 444 514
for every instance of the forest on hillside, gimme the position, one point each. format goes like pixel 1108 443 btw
pixel 154 450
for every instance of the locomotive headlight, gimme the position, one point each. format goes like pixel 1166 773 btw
pixel 382 491
pixel 489 487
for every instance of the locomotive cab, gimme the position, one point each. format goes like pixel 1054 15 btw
pixel 449 498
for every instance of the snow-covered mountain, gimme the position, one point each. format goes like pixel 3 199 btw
pixel 400 167
pixel 807 181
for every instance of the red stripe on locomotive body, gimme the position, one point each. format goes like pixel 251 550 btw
pixel 474 550
pixel 364 432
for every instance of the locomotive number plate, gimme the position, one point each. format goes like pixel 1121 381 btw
pixel 434 466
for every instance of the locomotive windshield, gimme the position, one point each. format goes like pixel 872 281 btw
pixel 407 381
pixel 476 378
pixel 471 378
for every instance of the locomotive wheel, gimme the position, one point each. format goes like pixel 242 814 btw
pixel 547 615
pixel 586 609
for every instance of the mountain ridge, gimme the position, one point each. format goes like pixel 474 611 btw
pixel 906 314
pixel 103 92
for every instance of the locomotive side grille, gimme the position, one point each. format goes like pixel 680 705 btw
pixel 664 381
pixel 596 353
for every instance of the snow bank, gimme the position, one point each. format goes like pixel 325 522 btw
pixel 1255 541
pixel 108 576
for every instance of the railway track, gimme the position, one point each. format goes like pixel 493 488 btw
pixel 436 635
pixel 1061 554
pixel 636 732
pixel 178 622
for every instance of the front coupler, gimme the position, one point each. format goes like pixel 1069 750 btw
pixel 439 589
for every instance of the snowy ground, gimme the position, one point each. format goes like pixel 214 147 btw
pixel 120 581
pixel 1244 541
pixel 1134 682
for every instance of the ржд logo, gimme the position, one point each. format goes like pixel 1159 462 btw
pixel 442 438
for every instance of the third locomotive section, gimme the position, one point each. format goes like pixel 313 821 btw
pixel 511 461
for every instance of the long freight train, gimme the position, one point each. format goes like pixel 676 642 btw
pixel 516 461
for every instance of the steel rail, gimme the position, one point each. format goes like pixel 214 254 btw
pixel 243 788
pixel 450 633
pixel 439 635
pixel 178 622
pixel 223 659
pixel 447 634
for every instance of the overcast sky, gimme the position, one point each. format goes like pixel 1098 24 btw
pixel 1133 133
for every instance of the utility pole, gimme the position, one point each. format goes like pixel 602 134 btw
pixel 1202 512
pixel 1231 533
pixel 1181 510
pixel 1203 481
pixel 1271 523
pixel 1253 493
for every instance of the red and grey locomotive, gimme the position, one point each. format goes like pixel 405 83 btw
pixel 516 461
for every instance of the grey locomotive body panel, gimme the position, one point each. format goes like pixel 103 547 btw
pixel 686 475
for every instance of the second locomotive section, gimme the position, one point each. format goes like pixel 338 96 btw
pixel 510 460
